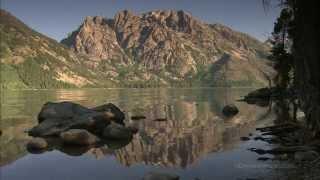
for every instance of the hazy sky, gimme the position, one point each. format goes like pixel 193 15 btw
pixel 56 18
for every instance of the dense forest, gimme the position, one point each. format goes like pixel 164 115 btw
pixel 296 56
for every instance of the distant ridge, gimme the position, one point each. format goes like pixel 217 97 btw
pixel 157 48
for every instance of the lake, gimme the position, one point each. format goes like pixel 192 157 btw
pixel 196 142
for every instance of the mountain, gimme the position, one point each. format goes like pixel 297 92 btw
pixel 32 60
pixel 172 47
pixel 158 48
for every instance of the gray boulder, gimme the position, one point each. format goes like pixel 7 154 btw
pixel 37 144
pixel 116 131
pixel 117 115
pixel 61 110
pixel 160 176
pixel 55 118
pixel 230 110
pixel 78 137
pixel 94 122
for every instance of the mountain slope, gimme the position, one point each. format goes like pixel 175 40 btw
pixel 158 48
pixel 173 45
pixel 32 60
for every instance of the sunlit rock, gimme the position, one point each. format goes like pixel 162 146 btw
pixel 78 137
pixel 37 144
pixel 55 118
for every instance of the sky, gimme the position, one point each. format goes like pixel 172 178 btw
pixel 56 18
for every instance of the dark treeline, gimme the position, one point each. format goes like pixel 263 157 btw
pixel 296 54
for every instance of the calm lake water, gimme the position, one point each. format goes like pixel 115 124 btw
pixel 196 142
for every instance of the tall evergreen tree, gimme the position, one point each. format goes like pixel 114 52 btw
pixel 281 51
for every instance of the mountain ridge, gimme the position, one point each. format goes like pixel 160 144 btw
pixel 30 59
pixel 157 48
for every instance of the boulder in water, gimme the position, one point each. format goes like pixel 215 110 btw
pixel 137 117
pixel 78 137
pixel 117 115
pixel 230 110
pixel 37 144
pixel 55 118
pixel 116 131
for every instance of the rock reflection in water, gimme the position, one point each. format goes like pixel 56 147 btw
pixel 194 125
pixel 192 131
pixel 19 110
pixel 98 150
pixel 13 139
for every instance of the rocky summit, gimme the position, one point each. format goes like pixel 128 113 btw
pixel 157 48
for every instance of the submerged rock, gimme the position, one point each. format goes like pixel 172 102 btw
pixel 78 137
pixel 138 118
pixel 230 110
pixel 37 144
pixel 160 176
pixel 160 119
pixel 116 131
pixel 114 144
pixel 55 118
pixel 244 138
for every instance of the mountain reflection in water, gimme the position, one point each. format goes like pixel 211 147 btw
pixel 194 126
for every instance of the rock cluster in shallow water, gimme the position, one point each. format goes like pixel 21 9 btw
pixel 74 124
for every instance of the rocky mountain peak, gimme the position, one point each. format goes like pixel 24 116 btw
pixel 176 20
pixel 157 48
pixel 96 20
pixel 97 39
pixel 160 41
pixel 123 18
pixel 125 14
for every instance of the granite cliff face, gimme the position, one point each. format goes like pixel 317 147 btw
pixel 158 48
pixel 173 45
pixel 97 39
